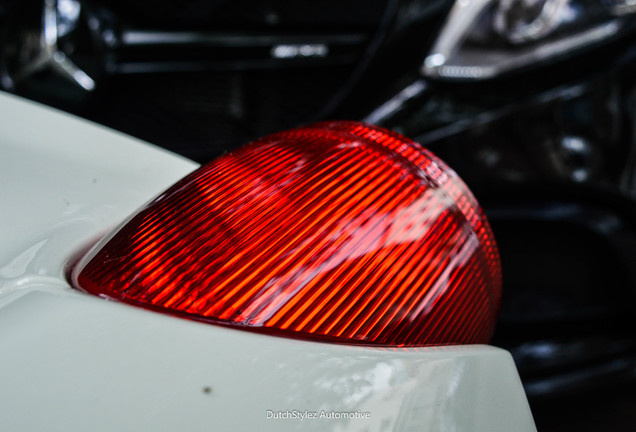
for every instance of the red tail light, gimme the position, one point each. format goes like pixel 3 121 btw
pixel 337 231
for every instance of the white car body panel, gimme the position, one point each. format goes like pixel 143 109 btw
pixel 74 362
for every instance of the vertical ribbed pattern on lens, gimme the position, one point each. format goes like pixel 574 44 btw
pixel 338 231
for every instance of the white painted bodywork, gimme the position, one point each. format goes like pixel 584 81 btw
pixel 72 362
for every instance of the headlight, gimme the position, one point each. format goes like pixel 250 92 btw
pixel 484 38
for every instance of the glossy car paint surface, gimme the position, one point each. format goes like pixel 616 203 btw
pixel 74 362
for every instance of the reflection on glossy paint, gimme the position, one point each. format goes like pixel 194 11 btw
pixel 18 266
pixel 397 391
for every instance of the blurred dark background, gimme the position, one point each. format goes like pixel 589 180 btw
pixel 548 148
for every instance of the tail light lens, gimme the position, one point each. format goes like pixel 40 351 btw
pixel 337 231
